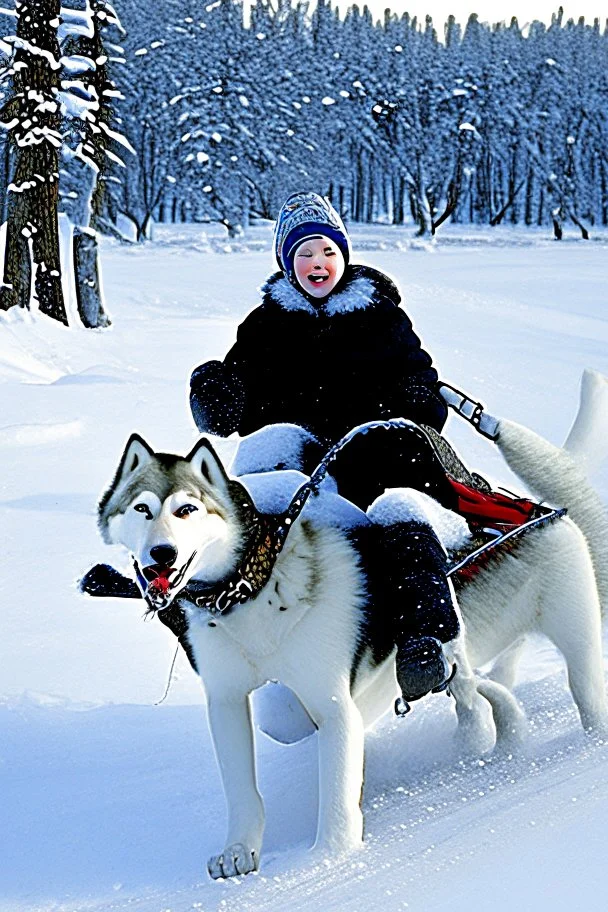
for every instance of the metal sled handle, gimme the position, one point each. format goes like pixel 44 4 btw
pixel 470 410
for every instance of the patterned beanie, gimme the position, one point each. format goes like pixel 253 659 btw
pixel 305 215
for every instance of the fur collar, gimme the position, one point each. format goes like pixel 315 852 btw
pixel 361 287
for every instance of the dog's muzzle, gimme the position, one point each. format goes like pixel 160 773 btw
pixel 159 583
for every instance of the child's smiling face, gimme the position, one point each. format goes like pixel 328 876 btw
pixel 318 265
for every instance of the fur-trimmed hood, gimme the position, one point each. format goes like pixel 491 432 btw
pixel 360 287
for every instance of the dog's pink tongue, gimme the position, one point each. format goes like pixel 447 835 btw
pixel 160 584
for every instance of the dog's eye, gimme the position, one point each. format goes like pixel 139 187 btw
pixel 145 509
pixel 185 511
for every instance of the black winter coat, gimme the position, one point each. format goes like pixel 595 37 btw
pixel 327 365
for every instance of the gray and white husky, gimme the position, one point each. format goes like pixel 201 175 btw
pixel 187 525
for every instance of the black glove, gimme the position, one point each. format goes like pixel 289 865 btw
pixel 423 405
pixel 217 399
pixel 103 581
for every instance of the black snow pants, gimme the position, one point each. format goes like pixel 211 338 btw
pixel 414 584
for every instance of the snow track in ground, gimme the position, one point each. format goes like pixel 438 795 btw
pixel 19 435
pixel 135 807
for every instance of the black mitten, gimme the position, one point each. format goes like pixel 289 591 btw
pixel 103 581
pixel 217 399
pixel 423 404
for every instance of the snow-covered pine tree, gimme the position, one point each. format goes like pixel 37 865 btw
pixel 58 134
pixel 412 133
pixel 211 114
pixel 153 76
pixel 89 137
pixel 32 115
pixel 284 152
pixel 102 133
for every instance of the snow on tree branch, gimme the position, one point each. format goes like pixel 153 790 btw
pixel 74 22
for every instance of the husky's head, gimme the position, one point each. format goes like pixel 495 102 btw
pixel 179 517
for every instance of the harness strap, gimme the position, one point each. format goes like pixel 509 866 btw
pixel 257 566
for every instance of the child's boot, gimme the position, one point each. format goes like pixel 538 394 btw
pixel 425 616
pixel 421 668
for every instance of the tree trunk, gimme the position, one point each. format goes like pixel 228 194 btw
pixel 94 48
pixel 45 241
pixel 17 278
pixel 529 216
pixel 424 215
pixel 453 196
pixel 497 219
pixel 33 193
pixel 6 177
pixel 369 203
pixel 88 285
pixel 359 181
pixel 583 230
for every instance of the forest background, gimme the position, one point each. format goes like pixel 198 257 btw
pixel 395 119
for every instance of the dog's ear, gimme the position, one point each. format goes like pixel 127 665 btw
pixel 206 463
pixel 137 454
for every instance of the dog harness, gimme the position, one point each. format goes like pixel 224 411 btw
pixel 497 520
pixel 259 561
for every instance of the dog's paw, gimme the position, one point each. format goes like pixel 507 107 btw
pixel 235 859
pixel 473 736
pixel 333 847
pixel 597 728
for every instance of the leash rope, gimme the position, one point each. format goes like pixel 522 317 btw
pixel 169 680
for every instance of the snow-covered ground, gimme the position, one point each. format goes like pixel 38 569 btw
pixel 110 802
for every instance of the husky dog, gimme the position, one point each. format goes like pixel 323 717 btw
pixel 310 622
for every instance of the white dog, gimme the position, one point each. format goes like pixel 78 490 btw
pixel 250 612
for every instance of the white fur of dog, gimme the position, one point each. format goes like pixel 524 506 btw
pixel 301 629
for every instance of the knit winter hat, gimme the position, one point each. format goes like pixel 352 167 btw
pixel 305 215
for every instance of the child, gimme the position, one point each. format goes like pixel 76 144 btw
pixel 329 349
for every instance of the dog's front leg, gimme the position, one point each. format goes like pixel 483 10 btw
pixel 472 710
pixel 232 735
pixel 341 742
